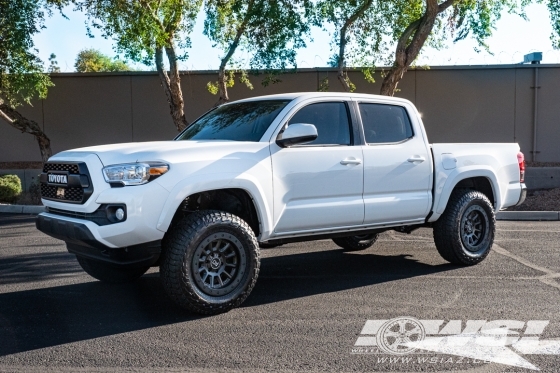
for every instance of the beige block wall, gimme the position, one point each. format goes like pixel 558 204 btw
pixel 458 104
pixel 548 135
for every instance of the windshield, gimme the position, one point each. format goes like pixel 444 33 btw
pixel 244 121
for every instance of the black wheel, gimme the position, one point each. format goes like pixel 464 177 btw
pixel 464 233
pixel 211 262
pixel 356 243
pixel 108 273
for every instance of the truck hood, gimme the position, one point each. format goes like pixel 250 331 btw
pixel 164 151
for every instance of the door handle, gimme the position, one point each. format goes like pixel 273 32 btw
pixel 351 161
pixel 416 158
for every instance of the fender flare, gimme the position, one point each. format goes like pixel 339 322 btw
pixel 442 197
pixel 202 183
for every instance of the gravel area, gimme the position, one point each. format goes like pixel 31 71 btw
pixel 540 200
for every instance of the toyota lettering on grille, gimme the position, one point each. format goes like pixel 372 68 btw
pixel 58 179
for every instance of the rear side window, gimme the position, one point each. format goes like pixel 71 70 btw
pixel 385 123
pixel 331 120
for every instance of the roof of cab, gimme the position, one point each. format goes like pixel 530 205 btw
pixel 306 95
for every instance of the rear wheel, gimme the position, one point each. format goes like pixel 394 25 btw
pixel 211 262
pixel 356 243
pixel 108 273
pixel 464 233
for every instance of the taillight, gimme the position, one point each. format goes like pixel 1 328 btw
pixel 521 161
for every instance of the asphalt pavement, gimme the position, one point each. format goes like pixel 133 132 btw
pixel 306 313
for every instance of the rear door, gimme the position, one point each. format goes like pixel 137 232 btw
pixel 397 165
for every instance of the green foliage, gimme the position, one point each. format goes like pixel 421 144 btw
pixel 21 71
pixel 10 188
pixel 213 87
pixel 53 64
pixel 93 61
pixel 270 32
pixel 478 18
pixel 138 27
pixel 554 9
pixel 324 85
pixel 365 36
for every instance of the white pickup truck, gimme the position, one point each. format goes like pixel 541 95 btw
pixel 267 171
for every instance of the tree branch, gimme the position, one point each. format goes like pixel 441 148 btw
pixel 153 14
pixel 446 4
pixel 6 118
pixel 342 44
pixel 222 86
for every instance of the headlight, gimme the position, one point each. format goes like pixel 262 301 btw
pixel 134 173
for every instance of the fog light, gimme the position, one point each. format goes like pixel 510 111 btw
pixel 119 214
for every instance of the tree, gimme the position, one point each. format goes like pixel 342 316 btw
pixel 53 64
pixel 360 28
pixel 21 71
pixel 269 31
pixel 143 30
pixel 93 61
pixel 554 9
pixel 418 20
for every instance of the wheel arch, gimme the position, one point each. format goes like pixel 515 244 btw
pixel 257 190
pixel 484 181
pixel 236 201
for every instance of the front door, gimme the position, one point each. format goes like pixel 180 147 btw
pixel 319 185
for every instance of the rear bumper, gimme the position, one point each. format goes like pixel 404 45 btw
pixel 80 241
pixel 523 194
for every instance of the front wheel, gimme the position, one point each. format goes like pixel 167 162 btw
pixel 211 262
pixel 108 273
pixel 356 243
pixel 464 233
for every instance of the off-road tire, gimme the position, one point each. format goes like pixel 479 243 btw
pixel 192 252
pixel 356 243
pixel 109 273
pixel 467 212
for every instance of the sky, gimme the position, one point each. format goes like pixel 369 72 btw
pixel 512 39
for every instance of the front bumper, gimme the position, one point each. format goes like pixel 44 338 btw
pixel 81 241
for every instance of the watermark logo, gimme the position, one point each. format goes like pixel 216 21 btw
pixel 499 341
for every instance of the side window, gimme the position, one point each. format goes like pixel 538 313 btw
pixel 331 120
pixel 385 123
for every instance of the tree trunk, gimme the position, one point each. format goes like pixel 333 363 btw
pixel 343 75
pixel 222 84
pixel 410 44
pixel 172 85
pixel 18 121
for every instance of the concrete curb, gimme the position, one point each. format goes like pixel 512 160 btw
pixel 500 215
pixel 528 215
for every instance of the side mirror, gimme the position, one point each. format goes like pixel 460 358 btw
pixel 297 133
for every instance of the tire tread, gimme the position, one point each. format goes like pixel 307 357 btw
pixel 173 270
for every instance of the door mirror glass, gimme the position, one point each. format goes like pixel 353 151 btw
pixel 297 133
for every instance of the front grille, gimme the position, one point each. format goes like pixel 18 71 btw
pixel 70 194
pixel 70 167
pixel 76 189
